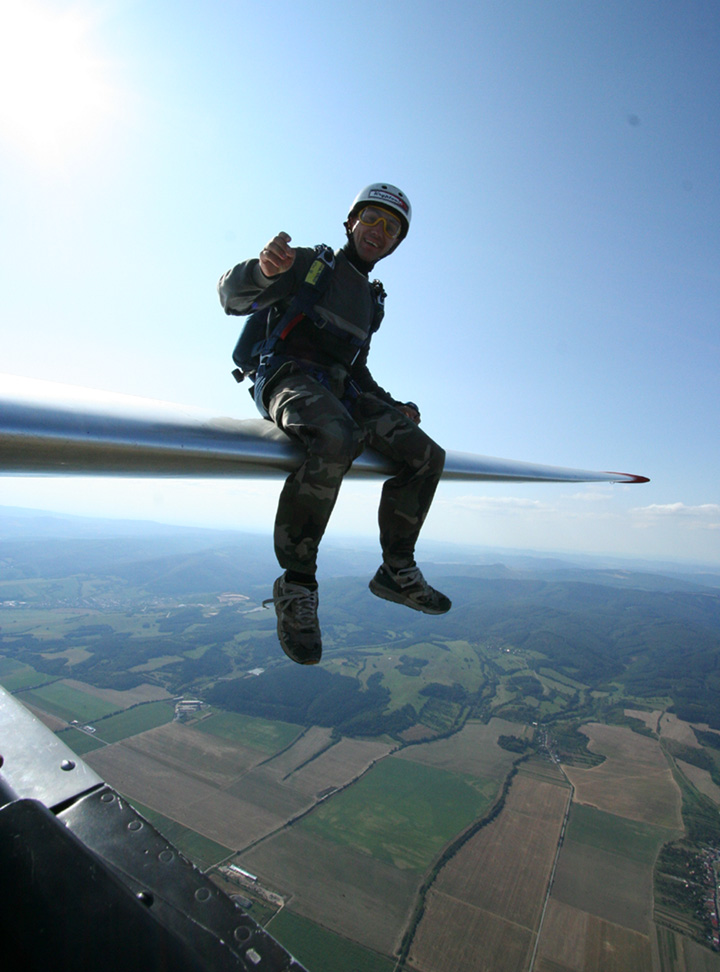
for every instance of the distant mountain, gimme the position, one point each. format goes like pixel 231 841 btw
pixel 175 560
pixel 18 523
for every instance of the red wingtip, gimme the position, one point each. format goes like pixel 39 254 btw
pixel 630 477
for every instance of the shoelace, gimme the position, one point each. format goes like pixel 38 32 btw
pixel 408 576
pixel 305 605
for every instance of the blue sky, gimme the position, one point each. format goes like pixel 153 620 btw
pixel 557 299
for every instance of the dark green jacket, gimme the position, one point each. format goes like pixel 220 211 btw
pixel 348 304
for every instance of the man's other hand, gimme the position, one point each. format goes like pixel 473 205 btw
pixel 412 413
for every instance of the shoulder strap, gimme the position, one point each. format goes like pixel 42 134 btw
pixel 309 292
pixel 379 295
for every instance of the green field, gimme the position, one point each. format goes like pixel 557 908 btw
pixel 149 715
pixel 67 703
pixel 321 950
pixel 202 851
pixel 402 813
pixel 80 742
pixel 406 673
pixel 268 737
pixel 14 676
pixel 616 835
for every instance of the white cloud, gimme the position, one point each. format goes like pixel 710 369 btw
pixel 494 505
pixel 595 494
pixel 678 518
pixel 707 514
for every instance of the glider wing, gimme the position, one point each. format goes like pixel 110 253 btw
pixel 47 428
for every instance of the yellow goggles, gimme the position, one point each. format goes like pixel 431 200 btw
pixel 371 216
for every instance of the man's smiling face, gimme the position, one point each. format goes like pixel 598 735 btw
pixel 372 242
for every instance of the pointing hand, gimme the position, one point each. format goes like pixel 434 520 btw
pixel 277 257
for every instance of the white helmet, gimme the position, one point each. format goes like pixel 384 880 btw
pixel 390 197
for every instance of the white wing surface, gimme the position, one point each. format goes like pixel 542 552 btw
pixel 47 428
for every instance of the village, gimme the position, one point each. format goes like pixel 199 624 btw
pixel 710 860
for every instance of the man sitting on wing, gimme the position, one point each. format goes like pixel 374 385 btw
pixel 313 382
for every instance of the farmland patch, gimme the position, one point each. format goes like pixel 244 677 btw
pixel 504 868
pixel 322 950
pixel 543 769
pixel 610 886
pixel 80 742
pixel 133 721
pixel 195 754
pixel 456 935
pixel 649 718
pixel 363 899
pixel 67 703
pixel 634 781
pixel 335 766
pixel 575 941
pixel 673 728
pixel 701 780
pixel 681 954
pixel 305 748
pixel 15 676
pixel 402 812
pixel 223 817
pixel 72 656
pixel 474 750
pixel 630 839
pixel 252 731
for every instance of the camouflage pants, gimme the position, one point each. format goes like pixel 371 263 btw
pixel 312 414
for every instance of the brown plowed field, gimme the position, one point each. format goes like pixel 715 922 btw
pixel 455 936
pixel 635 780
pixel 673 728
pixel 573 941
pixel 196 754
pixel 304 748
pixel 228 819
pixel 649 718
pixel 505 867
pixel 701 780
pixel 474 750
pixel 336 766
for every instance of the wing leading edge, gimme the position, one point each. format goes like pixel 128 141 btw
pixel 47 428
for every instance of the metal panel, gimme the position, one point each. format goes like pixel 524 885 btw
pixel 34 763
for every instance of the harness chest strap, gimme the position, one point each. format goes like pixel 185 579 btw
pixel 312 288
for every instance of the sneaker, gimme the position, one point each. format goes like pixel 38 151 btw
pixel 408 586
pixel 297 627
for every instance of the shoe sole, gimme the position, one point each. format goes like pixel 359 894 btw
pixel 298 661
pixel 292 657
pixel 388 595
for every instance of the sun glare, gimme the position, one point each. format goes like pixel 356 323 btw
pixel 53 89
